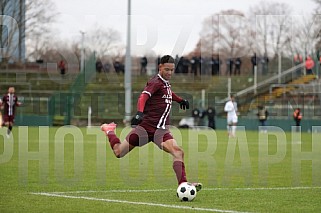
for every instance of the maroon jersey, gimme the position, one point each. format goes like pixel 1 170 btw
pixel 9 101
pixel 158 106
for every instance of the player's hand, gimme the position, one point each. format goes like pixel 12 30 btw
pixel 137 119
pixel 184 104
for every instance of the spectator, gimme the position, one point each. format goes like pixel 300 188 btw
pixel 195 64
pixel 254 62
pixel 309 64
pixel 179 64
pixel 99 66
pixel 265 64
pixel 262 115
pixel 118 67
pixel 297 115
pixel 196 116
pixel 143 65
pixel 211 117
pixel 217 65
pixel 212 63
pixel 229 66
pixel 237 69
pixel 62 67
pixel 185 64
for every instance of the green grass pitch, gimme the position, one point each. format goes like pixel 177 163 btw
pixel 71 169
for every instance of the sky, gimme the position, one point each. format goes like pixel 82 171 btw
pixel 157 26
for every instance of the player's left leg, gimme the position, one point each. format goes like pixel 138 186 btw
pixel 119 149
pixel 234 124
pixel 10 125
pixel 233 130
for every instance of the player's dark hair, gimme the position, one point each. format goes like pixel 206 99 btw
pixel 167 59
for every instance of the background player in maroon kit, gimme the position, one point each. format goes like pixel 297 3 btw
pixel 9 103
pixel 152 119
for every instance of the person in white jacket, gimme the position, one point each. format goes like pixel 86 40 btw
pixel 232 119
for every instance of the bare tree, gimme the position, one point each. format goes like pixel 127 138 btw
pixel 103 41
pixel 40 14
pixel 318 11
pixel 233 31
pixel 306 34
pixel 11 20
pixel 271 23
pixel 25 22
pixel 76 49
pixel 224 33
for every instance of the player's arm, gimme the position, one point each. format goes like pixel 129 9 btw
pixel 142 101
pixel 17 102
pixel 228 107
pixel 140 109
pixel 184 104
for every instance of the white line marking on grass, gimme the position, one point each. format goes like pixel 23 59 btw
pixel 272 188
pixel 137 203
pixel 205 189
pixel 115 190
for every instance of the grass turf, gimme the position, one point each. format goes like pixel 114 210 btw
pixel 255 172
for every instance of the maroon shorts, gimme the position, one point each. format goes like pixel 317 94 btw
pixel 8 118
pixel 140 136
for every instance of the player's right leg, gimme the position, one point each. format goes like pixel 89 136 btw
pixel 170 146
pixel 119 149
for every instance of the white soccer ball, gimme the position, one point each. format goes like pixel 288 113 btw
pixel 186 191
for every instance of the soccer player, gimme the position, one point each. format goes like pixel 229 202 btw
pixel 151 122
pixel 297 115
pixel 9 103
pixel 231 109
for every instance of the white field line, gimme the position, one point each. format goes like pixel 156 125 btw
pixel 137 203
pixel 263 188
pixel 206 189
pixel 116 190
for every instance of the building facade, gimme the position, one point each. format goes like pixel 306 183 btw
pixel 12 31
